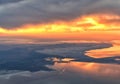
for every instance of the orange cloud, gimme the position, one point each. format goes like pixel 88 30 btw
pixel 99 26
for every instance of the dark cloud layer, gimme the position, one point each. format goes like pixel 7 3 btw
pixel 9 1
pixel 38 11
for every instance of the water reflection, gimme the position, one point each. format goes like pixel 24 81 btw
pixel 76 68
pixel 91 69
pixel 69 72
pixel 105 52
pixel 59 60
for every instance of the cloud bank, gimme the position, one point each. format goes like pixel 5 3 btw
pixel 14 13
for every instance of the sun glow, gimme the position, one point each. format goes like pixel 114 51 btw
pixel 99 22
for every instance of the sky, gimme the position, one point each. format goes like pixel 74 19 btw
pixel 60 19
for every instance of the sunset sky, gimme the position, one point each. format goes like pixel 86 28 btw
pixel 60 19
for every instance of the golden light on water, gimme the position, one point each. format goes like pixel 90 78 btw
pixel 105 52
pixel 86 68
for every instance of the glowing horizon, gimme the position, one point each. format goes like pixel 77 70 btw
pixel 100 25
